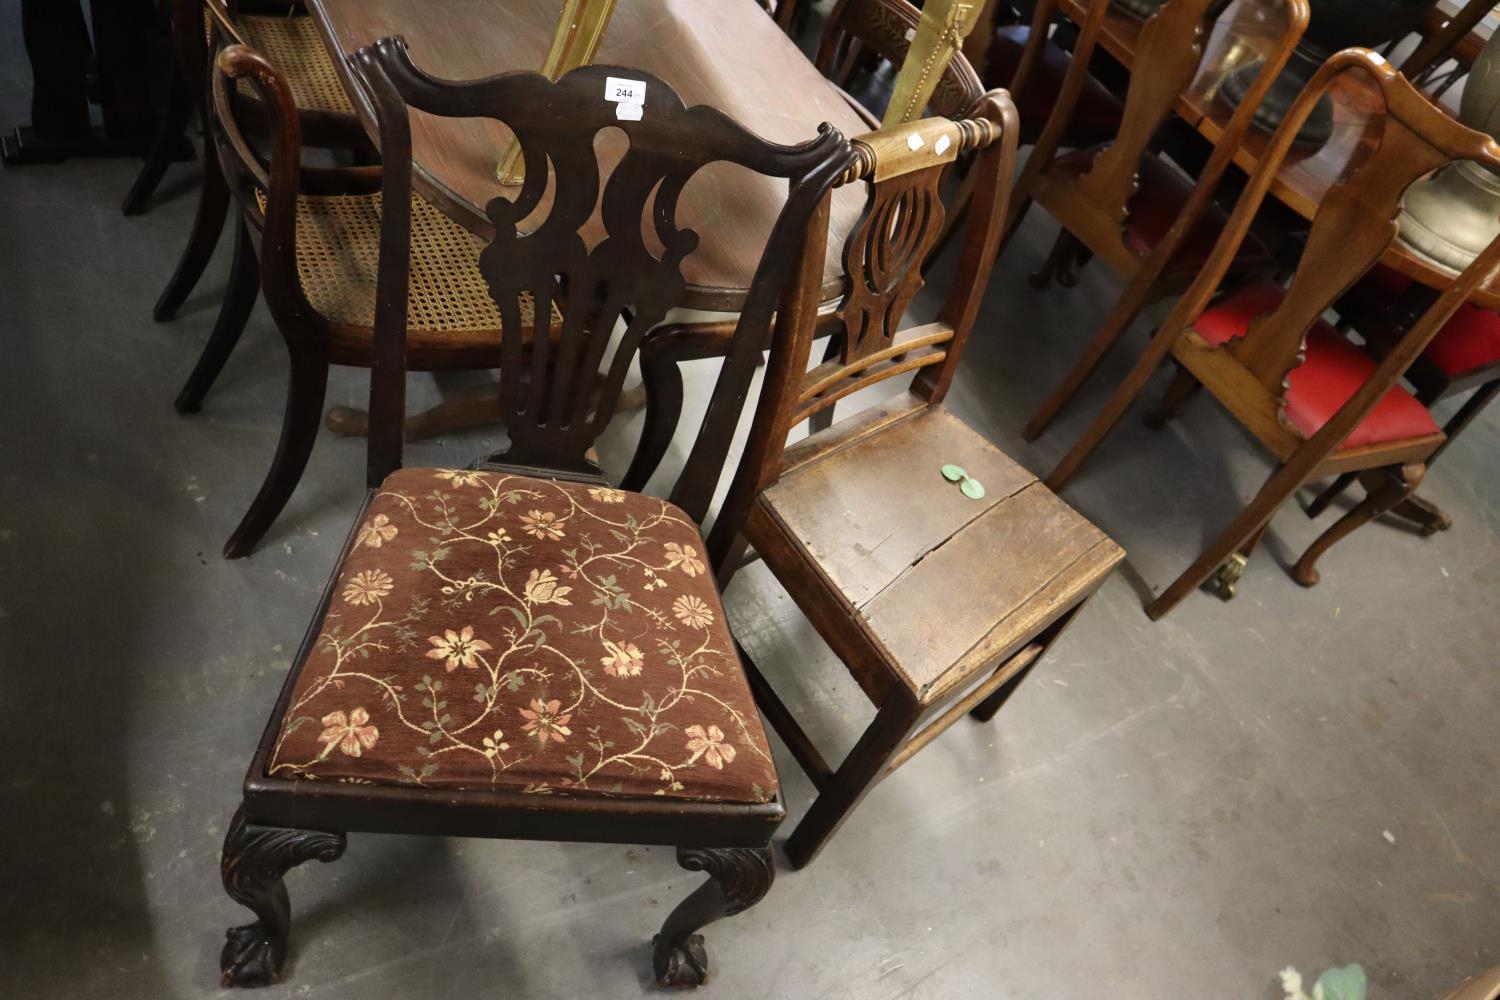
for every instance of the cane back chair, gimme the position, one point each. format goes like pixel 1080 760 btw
pixel 1124 203
pixel 860 522
pixel 589 688
pixel 1320 404
pixel 317 234
pixel 285 34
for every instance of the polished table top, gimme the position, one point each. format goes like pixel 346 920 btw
pixel 725 53
pixel 1246 30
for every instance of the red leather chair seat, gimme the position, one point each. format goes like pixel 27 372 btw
pixel 1332 372
pixel 1469 341
pixel 1096 116
pixel 1162 193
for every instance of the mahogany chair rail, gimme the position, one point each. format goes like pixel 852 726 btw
pixel 854 521
pixel 1122 202
pixel 557 393
pixel 1313 399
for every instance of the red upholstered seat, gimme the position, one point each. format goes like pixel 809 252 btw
pixel 495 631
pixel 1333 371
pixel 1096 116
pixel 1469 341
pixel 1158 201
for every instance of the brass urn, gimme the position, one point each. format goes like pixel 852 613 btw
pixel 1454 214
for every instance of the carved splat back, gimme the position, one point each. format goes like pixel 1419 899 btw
pixel 1354 225
pixel 603 244
pixel 883 27
pixel 1167 57
pixel 883 257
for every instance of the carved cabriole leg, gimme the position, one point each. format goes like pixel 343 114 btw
pixel 738 878
pixel 255 859
pixel 1386 488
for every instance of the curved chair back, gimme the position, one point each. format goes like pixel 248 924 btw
pixel 601 239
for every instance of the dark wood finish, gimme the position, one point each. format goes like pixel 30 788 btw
pixel 553 418
pixel 189 95
pixel 738 878
pixel 917 588
pixel 858 28
pixel 254 860
pixel 1093 206
pixel 1351 232
pixel 727 55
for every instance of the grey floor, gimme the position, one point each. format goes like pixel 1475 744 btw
pixel 1165 810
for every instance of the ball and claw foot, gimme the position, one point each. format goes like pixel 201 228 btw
pixel 683 966
pixel 249 958
pixel 1227 578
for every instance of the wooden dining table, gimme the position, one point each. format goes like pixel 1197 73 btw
pixel 726 53
pixel 1242 34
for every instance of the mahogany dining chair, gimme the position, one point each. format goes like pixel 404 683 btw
pixel 520 650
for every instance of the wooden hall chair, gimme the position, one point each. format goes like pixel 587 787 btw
pixel 317 233
pixel 1120 201
pixel 1316 401
pixel 861 523
pixel 520 650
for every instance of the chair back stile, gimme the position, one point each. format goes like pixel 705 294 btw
pixel 1354 226
pixel 883 258
pixel 557 394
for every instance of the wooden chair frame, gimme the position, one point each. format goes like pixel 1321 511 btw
pixel 1093 208
pixel 883 257
pixel 1351 231
pixel 880 25
pixel 553 418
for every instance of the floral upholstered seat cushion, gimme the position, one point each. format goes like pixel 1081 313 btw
pixel 495 631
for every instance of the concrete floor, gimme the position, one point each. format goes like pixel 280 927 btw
pixel 1165 810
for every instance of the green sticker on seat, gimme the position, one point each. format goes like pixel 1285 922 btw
pixel 953 473
pixel 972 489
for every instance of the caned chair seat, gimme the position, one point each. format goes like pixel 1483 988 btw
pixel 294 47
pixel 940 585
pixel 1329 375
pixel 449 308
pixel 493 631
